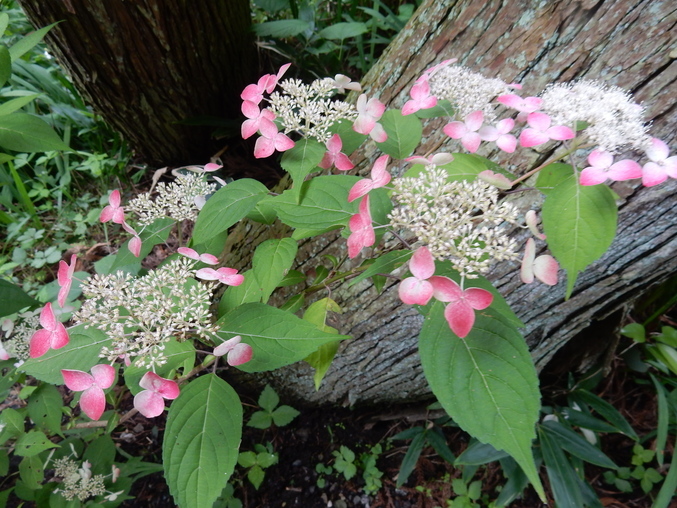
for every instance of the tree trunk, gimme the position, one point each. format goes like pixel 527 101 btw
pixel 145 65
pixel 625 43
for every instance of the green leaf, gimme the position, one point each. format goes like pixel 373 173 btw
pixel 576 444
pixel 551 176
pixel 486 382
pixel 404 134
pixel 282 28
pixel 11 424
pixel 384 264
pixel 562 475
pixel 22 132
pixel 255 475
pixel 28 42
pixel 669 487
pixel 81 353
pixel 15 104
pixel 32 472
pixel 44 408
pixel 580 223
pixel 13 299
pixel 438 441
pixel 250 291
pixel 517 482
pixel 302 159
pixel 410 458
pixel 321 359
pixel 152 235
pixel 607 411
pixel 292 278
pixel 246 459
pixel 32 443
pixel 179 355
pixel 201 442
pixel 268 399
pixel 5 64
pixel 260 420
pixel 4 464
pixel 283 415
pixel 226 207
pixel 272 5
pixel 350 139
pixel 101 454
pixel 663 419
pixel 340 31
pixel 277 337
pixel 272 260
pixel 443 108
pixel 478 454
pixel 4 21
pixel 634 331
pixel 464 167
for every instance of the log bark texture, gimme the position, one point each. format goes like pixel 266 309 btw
pixel 627 43
pixel 145 65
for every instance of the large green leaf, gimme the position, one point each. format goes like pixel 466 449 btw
pixel 282 28
pixel 272 260
pixel 13 299
pixel 28 42
pixel 318 313
pixel 81 353
pixel 562 475
pixel 13 105
pixel 201 442
pixel 27 133
pixel 302 159
pixel 226 207
pixel 277 337
pixel 340 31
pixel 249 291
pixel 404 134
pixel 44 408
pixel 486 382
pixel 580 223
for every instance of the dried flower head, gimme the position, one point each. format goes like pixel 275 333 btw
pixel 615 121
pixel 460 221
pixel 176 200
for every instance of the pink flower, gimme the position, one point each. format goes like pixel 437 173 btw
pixel 4 355
pixel 379 178
pixel 92 400
pixel 532 223
pixel 228 276
pixel 267 83
pixel 466 131
pixel 417 289
pixel 211 167
pixel 459 312
pixel 53 335
pixel 369 113
pixel 135 245
pixel 602 168
pixel 343 83
pixel 523 105
pixel 270 141
pixel 334 156
pixel 361 230
pixel 205 258
pixel 499 134
pixel 255 120
pixel 65 278
pixel 237 352
pixel 113 212
pixel 539 131
pixel 438 159
pixel 661 166
pixel 544 267
pixel 420 98
pixel 149 401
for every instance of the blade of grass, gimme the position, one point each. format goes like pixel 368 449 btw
pixel 23 195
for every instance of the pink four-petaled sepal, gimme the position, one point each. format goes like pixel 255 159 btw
pixel 211 166
pixel 92 400
pixel 237 351
pixel 262 120
pixel 661 166
pixel 361 229
pixel 369 112
pixel 466 130
pixel 209 259
pixel 334 156
pixel 52 336
pixel 65 278
pixel 544 267
pixel 113 211
pixel 228 276
pixel 271 140
pixel 602 168
pixel 343 83
pixel 524 105
pixel 379 178
pixel 539 131
pixel 4 355
pixel 417 290
pixel 500 134
pixel 150 402
pixel 420 98
pixel 460 311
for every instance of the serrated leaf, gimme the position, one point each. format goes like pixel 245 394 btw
pixel 272 260
pixel 29 41
pixel 13 299
pixel 81 353
pixel 277 337
pixel 32 443
pixel 576 444
pixel 384 264
pixel 12 424
pixel 284 415
pixel 302 159
pixel 486 382
pixel 260 420
pixel 226 207
pixel 22 132
pixel 282 28
pixel 580 223
pixel 268 399
pixel 202 438
pixel 31 472
pixel 246 459
pixel 561 474
pixel 404 134
pixel 44 408
pixel 340 31
pixel 255 475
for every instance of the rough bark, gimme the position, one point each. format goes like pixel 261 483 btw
pixel 625 43
pixel 146 65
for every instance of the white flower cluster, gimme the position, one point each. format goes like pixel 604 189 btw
pixel 615 121
pixel 17 336
pixel 78 481
pixel 141 314
pixel 467 90
pixel 310 110
pixel 459 221
pixel 175 200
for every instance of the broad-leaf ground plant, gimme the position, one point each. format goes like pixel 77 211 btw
pixel 438 228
